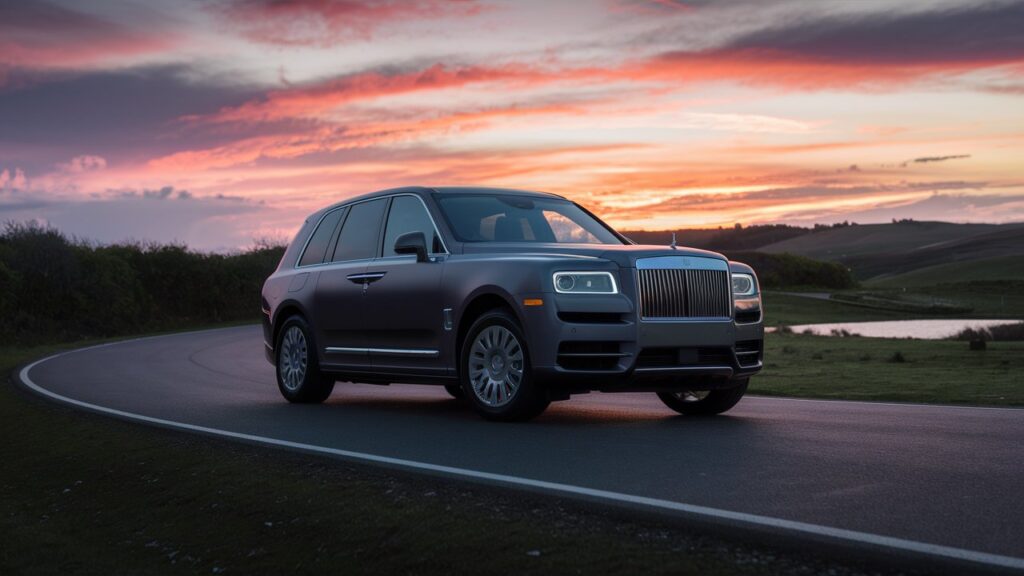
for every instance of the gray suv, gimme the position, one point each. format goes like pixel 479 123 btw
pixel 510 300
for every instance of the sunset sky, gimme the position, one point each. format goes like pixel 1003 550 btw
pixel 215 123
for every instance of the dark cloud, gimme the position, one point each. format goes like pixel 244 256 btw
pixel 927 159
pixel 162 215
pixel 981 32
pixel 115 115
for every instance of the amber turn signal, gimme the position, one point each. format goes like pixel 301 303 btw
pixel 533 302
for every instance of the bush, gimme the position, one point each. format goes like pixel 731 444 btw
pixel 788 271
pixel 1002 333
pixel 52 288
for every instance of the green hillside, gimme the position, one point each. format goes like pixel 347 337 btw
pixel 863 239
pixel 982 270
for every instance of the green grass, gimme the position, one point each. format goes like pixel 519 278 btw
pixel 785 310
pixel 983 270
pixel 855 368
pixel 81 493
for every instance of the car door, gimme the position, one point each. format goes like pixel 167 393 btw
pixel 342 285
pixel 404 308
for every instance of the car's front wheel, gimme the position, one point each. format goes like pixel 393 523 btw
pixel 495 370
pixel 705 402
pixel 298 371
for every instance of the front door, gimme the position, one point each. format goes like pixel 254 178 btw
pixel 405 319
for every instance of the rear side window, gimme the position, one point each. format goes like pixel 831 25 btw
pixel 408 214
pixel 361 231
pixel 316 249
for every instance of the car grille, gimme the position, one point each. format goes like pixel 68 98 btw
pixel 686 293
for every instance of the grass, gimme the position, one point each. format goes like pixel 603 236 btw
pixel 984 269
pixel 855 368
pixel 81 493
pixel 784 310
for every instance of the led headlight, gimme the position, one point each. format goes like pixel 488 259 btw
pixel 743 285
pixel 585 283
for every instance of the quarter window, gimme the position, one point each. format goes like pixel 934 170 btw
pixel 316 249
pixel 360 233
pixel 408 214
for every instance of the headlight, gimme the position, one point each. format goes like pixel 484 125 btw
pixel 743 285
pixel 585 283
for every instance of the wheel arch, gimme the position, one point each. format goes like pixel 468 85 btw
pixel 284 311
pixel 479 303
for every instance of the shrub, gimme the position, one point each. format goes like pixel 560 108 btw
pixel 1002 333
pixel 52 288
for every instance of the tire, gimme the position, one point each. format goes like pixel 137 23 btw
pixel 455 391
pixel 705 403
pixel 494 368
pixel 298 370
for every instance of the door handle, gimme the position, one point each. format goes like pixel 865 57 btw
pixel 365 278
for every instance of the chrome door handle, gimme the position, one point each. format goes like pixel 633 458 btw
pixel 366 278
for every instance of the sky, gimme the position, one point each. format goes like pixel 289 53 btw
pixel 221 123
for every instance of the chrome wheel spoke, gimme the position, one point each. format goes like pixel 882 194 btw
pixel 495 366
pixel 293 360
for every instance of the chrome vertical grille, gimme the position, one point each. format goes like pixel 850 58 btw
pixel 684 293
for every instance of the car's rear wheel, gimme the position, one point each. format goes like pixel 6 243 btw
pixel 495 370
pixel 298 372
pixel 705 402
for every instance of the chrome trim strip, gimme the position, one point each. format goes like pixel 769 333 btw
pixel 681 263
pixel 702 369
pixel 383 351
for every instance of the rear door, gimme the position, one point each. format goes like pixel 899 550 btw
pixel 405 312
pixel 342 286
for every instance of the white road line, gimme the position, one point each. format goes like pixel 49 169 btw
pixel 703 512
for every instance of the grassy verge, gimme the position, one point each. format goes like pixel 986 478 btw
pixel 786 309
pixel 81 493
pixel 857 368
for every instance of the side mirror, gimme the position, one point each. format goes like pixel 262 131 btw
pixel 412 243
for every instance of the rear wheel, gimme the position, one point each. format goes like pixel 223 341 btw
pixel 298 372
pixel 495 370
pixel 705 402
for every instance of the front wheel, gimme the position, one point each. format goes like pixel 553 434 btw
pixel 298 372
pixel 495 370
pixel 705 402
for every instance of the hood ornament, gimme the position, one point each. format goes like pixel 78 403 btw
pixel 673 244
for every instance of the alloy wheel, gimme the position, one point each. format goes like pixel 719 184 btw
pixel 294 358
pixel 495 366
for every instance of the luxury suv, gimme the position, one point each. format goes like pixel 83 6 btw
pixel 510 300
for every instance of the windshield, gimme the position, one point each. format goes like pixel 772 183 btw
pixel 491 218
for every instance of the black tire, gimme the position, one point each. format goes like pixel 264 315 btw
pixel 716 401
pixel 455 391
pixel 312 386
pixel 527 400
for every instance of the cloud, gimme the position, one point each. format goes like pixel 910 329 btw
pixel 12 179
pixel 163 214
pixel 927 159
pixel 327 23
pixel 43 35
pixel 84 163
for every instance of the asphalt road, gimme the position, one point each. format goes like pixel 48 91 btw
pixel 930 475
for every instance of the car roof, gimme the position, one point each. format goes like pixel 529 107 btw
pixel 439 190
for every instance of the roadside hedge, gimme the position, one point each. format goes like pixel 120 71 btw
pixel 56 289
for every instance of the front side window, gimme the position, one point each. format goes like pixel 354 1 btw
pixel 316 249
pixel 360 232
pixel 509 218
pixel 408 214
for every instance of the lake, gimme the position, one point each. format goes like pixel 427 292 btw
pixel 920 329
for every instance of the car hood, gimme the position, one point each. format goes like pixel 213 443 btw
pixel 623 255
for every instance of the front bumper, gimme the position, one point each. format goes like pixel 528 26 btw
pixel 590 342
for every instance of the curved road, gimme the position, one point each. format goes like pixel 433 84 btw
pixel 945 481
